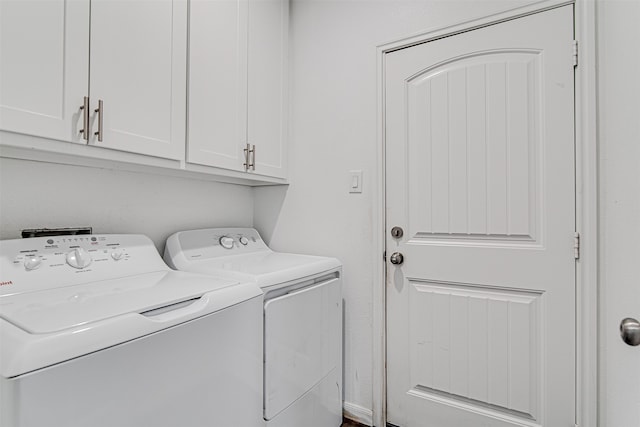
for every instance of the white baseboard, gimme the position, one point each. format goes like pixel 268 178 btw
pixel 358 413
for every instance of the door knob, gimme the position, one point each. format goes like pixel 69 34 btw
pixel 630 331
pixel 396 258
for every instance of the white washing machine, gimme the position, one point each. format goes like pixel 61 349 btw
pixel 302 318
pixel 97 331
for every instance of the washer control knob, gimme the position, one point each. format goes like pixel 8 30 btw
pixel 117 254
pixel 244 240
pixel 79 258
pixel 226 242
pixel 32 262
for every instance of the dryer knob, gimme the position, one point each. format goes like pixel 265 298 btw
pixel 79 258
pixel 244 240
pixel 226 242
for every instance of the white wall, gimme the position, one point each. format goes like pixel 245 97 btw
pixel 333 130
pixel 38 195
pixel 619 161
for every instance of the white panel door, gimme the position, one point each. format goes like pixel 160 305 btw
pixel 480 175
pixel 267 81
pixel 44 67
pixel 217 83
pixel 138 70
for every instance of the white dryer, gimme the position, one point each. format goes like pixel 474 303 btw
pixel 97 331
pixel 302 318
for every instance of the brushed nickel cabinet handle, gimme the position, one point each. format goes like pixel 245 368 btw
pixel 85 119
pixel 253 161
pixel 99 110
pixel 246 158
pixel 248 151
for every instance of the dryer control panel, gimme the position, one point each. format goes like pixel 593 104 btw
pixel 215 242
pixel 44 262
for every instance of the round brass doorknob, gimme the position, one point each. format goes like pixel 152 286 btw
pixel 630 331
pixel 396 258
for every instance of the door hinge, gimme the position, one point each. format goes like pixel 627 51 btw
pixel 576 245
pixel 575 53
pixel 384 256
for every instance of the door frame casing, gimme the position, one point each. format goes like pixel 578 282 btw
pixel 586 203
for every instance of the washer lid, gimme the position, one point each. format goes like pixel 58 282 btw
pixel 43 328
pixel 266 268
pixel 63 308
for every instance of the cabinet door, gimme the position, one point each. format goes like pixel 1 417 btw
pixel 267 56
pixel 217 83
pixel 44 60
pixel 138 70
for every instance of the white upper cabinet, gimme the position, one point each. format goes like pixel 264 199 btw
pixel 237 85
pixel 44 67
pixel 138 71
pixel 217 83
pixel 197 85
pixel 267 107
pixel 129 55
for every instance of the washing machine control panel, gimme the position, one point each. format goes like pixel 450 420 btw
pixel 41 262
pixel 77 252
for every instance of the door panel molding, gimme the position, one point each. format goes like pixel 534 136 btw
pixel 503 377
pixel 482 179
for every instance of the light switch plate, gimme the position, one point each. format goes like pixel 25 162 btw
pixel 355 181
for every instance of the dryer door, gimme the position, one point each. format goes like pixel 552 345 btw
pixel 302 335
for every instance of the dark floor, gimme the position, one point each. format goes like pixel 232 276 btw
pixel 349 423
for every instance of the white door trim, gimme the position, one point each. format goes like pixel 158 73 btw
pixel 587 214
pixel 586 204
